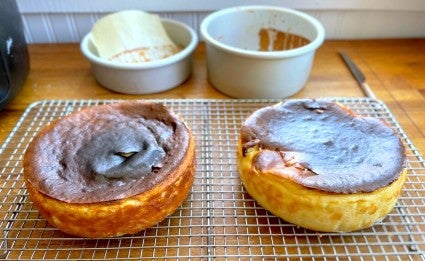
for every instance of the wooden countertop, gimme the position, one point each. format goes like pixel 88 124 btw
pixel 394 69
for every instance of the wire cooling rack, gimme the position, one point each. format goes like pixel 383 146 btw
pixel 219 220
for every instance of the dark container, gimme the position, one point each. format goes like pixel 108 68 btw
pixel 14 60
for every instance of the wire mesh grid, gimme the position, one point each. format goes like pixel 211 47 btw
pixel 219 220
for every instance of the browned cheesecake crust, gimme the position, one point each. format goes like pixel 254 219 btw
pixel 106 153
pixel 319 165
pixel 336 151
pixel 111 170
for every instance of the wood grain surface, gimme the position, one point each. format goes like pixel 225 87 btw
pixel 394 69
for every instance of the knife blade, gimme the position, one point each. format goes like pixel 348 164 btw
pixel 358 75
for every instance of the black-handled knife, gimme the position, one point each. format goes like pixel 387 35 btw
pixel 358 75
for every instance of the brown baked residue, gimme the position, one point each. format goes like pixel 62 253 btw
pixel 271 39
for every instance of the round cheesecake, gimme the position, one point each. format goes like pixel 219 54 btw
pixel 318 165
pixel 111 170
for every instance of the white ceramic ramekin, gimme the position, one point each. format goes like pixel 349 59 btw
pixel 147 77
pixel 236 67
